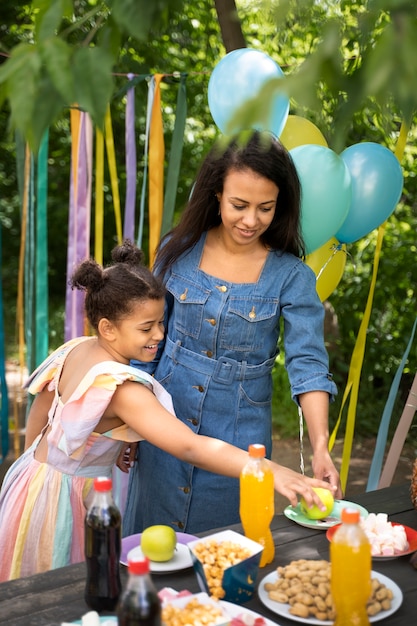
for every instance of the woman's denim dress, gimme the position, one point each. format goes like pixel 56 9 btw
pixel 216 363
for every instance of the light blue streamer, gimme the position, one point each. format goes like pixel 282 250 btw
pixel 381 440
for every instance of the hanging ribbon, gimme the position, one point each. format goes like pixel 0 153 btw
pixel 29 271
pixel 400 435
pixel 79 218
pixel 156 170
pixel 99 195
pixel 21 291
pixel 131 165
pixel 111 158
pixel 352 386
pixel 381 440
pixel 4 396
pixel 174 165
pixel 145 164
pixel 41 265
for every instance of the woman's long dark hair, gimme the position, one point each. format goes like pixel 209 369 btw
pixel 254 150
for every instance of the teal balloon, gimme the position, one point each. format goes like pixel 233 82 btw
pixel 377 183
pixel 238 78
pixel 325 193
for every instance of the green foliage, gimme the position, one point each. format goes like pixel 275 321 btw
pixel 80 51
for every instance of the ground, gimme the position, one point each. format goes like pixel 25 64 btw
pixel 285 451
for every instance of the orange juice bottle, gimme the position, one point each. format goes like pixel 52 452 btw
pixel 257 501
pixel 350 556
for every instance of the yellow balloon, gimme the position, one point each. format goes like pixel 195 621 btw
pixel 298 132
pixel 328 263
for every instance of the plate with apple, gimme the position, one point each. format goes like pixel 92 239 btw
pixel 314 517
pixel 166 549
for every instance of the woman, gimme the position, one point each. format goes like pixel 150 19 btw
pixel 88 403
pixel 233 269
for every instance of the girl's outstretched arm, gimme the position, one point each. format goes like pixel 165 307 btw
pixel 138 407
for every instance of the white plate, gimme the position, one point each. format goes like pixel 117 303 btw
pixel 109 619
pixel 180 560
pixel 234 610
pixel 294 513
pixel 283 609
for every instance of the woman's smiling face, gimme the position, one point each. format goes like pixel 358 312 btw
pixel 247 205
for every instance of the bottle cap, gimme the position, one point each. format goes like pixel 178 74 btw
pixel 257 450
pixel 102 483
pixel 138 565
pixel 350 516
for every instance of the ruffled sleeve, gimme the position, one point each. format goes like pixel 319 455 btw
pixel 84 409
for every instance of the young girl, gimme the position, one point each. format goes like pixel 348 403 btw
pixel 88 403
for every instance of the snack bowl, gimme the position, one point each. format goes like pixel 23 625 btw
pixel 237 584
pixel 195 607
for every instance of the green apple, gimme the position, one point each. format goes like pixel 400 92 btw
pixel 314 512
pixel 158 542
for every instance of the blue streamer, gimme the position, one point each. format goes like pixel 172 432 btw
pixel 4 397
pixel 381 440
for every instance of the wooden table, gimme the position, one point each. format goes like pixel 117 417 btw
pixel 56 596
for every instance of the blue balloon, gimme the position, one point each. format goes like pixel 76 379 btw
pixel 377 182
pixel 238 78
pixel 325 193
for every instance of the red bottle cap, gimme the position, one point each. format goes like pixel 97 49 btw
pixel 257 450
pixel 350 516
pixel 102 483
pixel 138 565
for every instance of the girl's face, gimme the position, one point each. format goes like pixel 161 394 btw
pixel 137 336
pixel 247 205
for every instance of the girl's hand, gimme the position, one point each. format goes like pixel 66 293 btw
pixel 126 457
pixel 292 484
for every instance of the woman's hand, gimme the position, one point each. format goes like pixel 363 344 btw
pixel 292 484
pixel 323 468
pixel 126 457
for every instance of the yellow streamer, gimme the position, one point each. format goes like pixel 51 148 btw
pixel 75 120
pixel 99 192
pixel 156 171
pixel 20 298
pixel 352 386
pixel 111 157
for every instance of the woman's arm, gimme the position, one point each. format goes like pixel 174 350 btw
pixel 38 415
pixel 315 407
pixel 152 422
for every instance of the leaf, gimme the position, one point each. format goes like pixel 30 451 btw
pixel 56 55
pixel 93 81
pixel 17 60
pixel 47 106
pixel 22 86
pixel 138 17
pixel 48 19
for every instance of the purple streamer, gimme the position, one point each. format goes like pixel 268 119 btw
pixel 79 228
pixel 131 165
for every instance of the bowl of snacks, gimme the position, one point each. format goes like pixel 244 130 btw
pixel 226 565
pixel 194 610
pixel 389 540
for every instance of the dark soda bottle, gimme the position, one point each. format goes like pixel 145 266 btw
pixel 140 604
pixel 102 548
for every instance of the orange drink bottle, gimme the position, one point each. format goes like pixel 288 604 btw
pixel 350 556
pixel 257 501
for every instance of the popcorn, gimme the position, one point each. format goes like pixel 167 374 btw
pixel 385 539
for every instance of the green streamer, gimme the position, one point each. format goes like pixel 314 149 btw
pixel 175 157
pixel 41 271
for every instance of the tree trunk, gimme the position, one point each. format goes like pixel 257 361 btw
pixel 230 26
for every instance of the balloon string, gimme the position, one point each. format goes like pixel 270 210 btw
pixel 335 248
